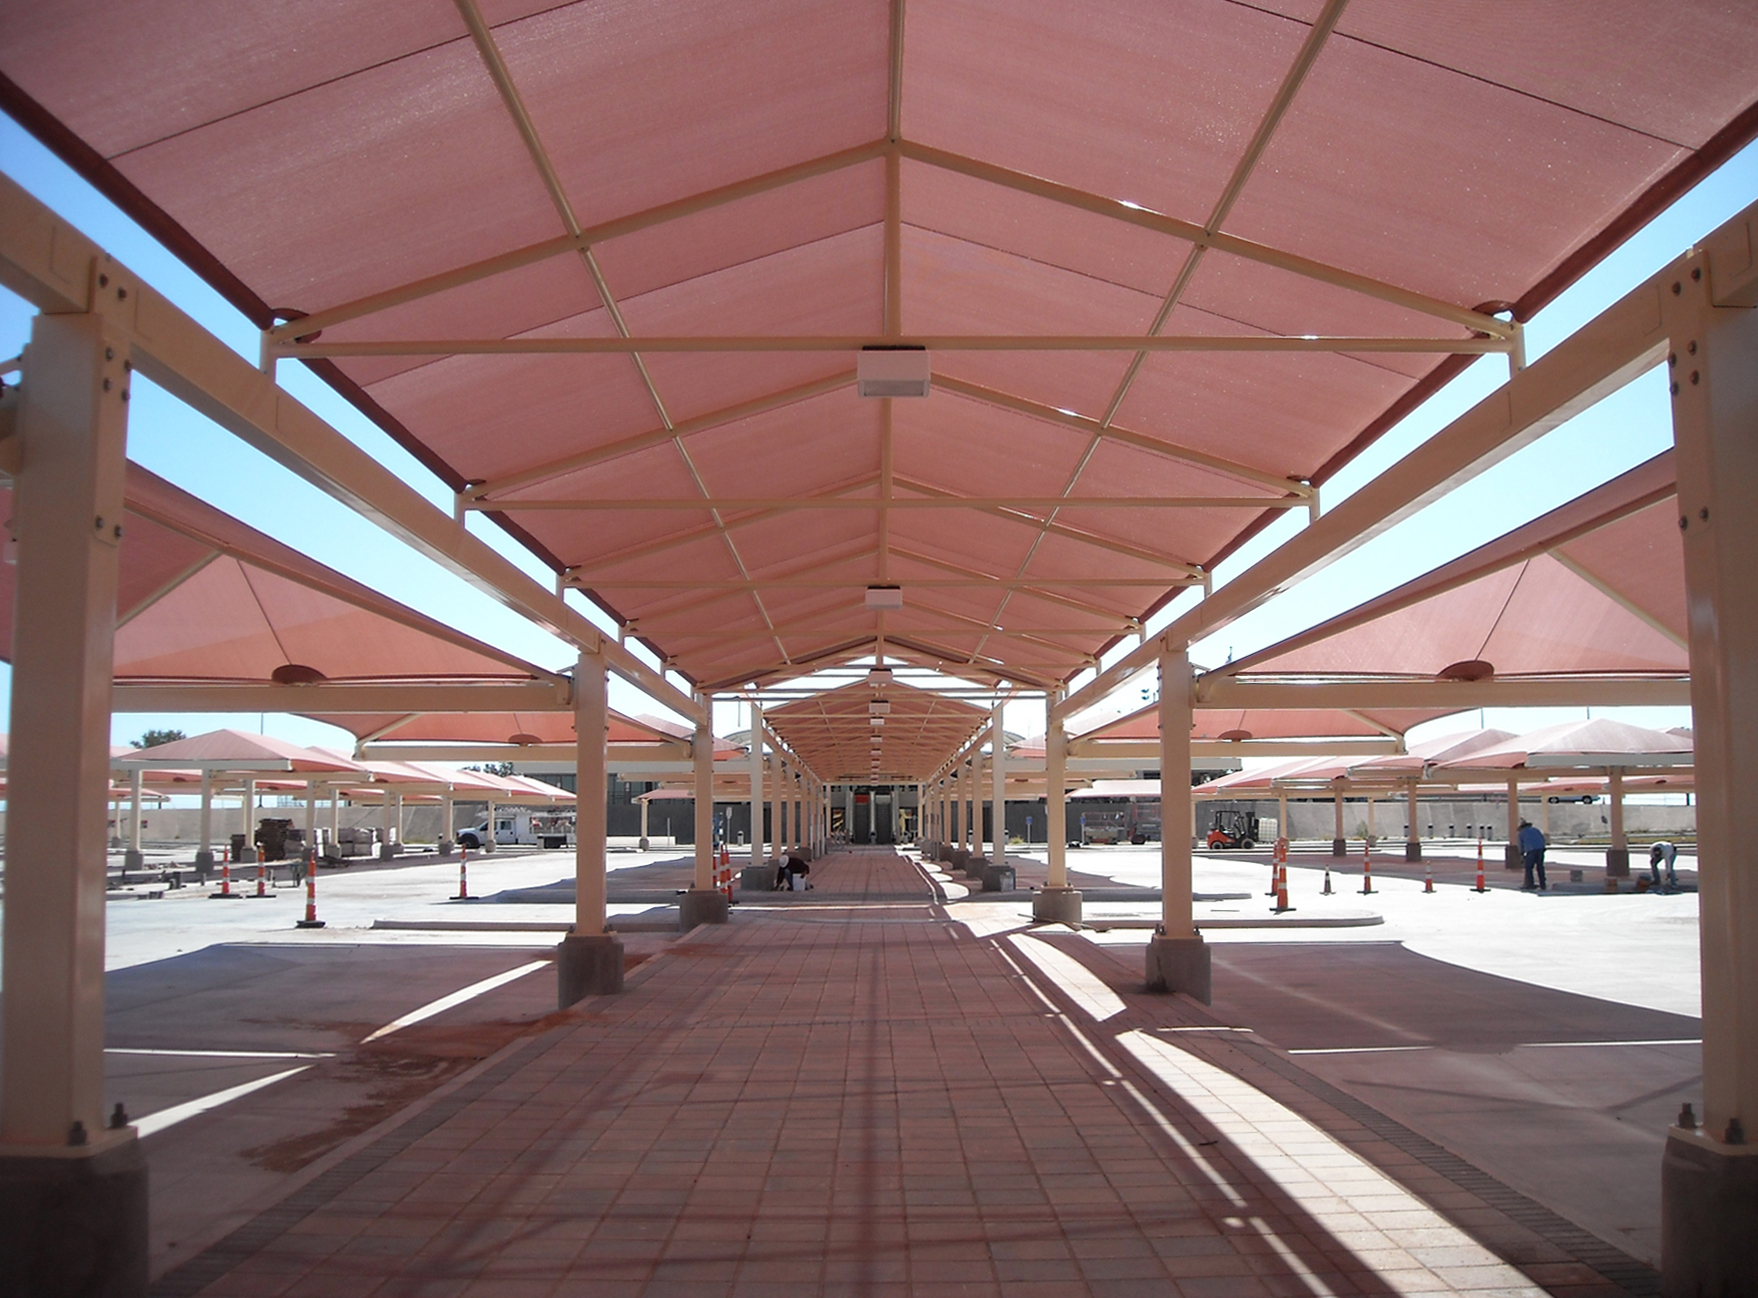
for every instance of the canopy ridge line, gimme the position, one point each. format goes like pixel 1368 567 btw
pixel 1034 590
pixel 1073 534
pixel 916 606
pixel 860 583
pixel 582 573
pixel 54 266
pixel 515 104
pixel 1617 597
pixel 1315 40
pixel 811 566
pixel 848 649
pixel 604 231
pixel 655 437
pixel 1190 232
pixel 1027 634
pixel 563 345
pixel 1000 671
pixel 124 618
pixel 1141 442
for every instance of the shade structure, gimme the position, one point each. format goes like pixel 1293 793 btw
pixel 1593 744
pixel 1242 725
pixel 1596 587
pixel 207 601
pixel 237 750
pixel 468 215
pixel 917 731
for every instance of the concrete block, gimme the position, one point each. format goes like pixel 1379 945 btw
pixel 1179 964
pixel 133 860
pixel 701 906
pixel 999 878
pixel 1057 906
pixel 757 878
pixel 443 849
pixel 1708 1203
pixel 1513 858
pixel 1339 847
pixel 75 1225
pixel 588 965
pixel 961 858
pixel 1617 863
pixel 1412 850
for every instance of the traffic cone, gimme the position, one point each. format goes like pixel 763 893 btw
pixel 1480 887
pixel 1282 890
pixel 1427 877
pixel 1367 869
pixel 311 920
pixel 262 871
pixel 463 875
pixel 1327 887
pixel 225 893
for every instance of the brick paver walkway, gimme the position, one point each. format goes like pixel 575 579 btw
pixel 868 1099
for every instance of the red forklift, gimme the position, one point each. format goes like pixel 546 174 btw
pixel 1233 829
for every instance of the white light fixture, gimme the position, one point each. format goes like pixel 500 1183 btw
pixel 893 370
pixel 879 677
pixel 875 721
pixel 879 708
pixel 884 598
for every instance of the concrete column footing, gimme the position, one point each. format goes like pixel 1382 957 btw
pixel 998 878
pixel 1412 850
pixel 757 878
pixel 1708 1202
pixel 1179 964
pixel 1513 858
pixel 1617 863
pixel 642 845
pixel 1339 847
pixel 75 1226
pixel 588 965
pixel 387 851
pixel 701 906
pixel 443 849
pixel 1057 906
pixel 132 859
pixel 246 857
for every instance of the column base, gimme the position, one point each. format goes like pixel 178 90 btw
pixel 757 878
pixel 960 859
pixel 701 906
pixel 443 849
pixel 75 1226
pixel 1708 1202
pixel 387 851
pixel 133 859
pixel 999 878
pixel 1617 863
pixel 588 965
pixel 1179 964
pixel 246 857
pixel 642 844
pixel 1339 847
pixel 1513 858
pixel 204 864
pixel 1412 850
pixel 1057 906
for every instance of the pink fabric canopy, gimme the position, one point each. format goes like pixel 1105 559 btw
pixel 728 168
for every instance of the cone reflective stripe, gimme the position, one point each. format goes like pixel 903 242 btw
pixel 1366 868
pixel 1427 877
pixel 226 876
pixel 1480 887
pixel 463 875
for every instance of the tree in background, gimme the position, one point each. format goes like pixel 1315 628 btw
pixel 489 768
pixel 153 738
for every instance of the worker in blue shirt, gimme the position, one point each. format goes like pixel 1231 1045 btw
pixel 1532 848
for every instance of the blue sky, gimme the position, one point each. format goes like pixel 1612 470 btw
pixel 169 439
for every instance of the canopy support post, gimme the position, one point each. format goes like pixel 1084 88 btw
pixel 1515 858
pixel 63 1169
pixel 1339 844
pixel 246 813
pixel 759 838
pixel 1617 856
pixel 589 961
pixel 1058 903
pixel 704 903
pixel 204 852
pixel 1412 836
pixel 133 859
pixel 1177 959
pixel 997 791
pixel 1709 1176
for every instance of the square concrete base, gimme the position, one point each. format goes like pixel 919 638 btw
pixel 1708 1207
pixel 961 858
pixel 1179 964
pixel 75 1225
pixel 999 878
pixel 588 966
pixel 443 849
pixel 1412 850
pixel 1339 847
pixel 1057 906
pixel 1617 863
pixel 757 878
pixel 132 860
pixel 701 906
pixel 1513 858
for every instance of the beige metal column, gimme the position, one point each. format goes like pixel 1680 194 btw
pixel 1617 856
pixel 1412 838
pixel 799 791
pixel 204 852
pixel 67 515
pixel 488 842
pixel 1177 959
pixel 1283 829
pixel 775 804
pixel 1516 859
pixel 1339 844
pixel 246 812
pixel 1056 902
pixel 310 814
pixel 976 792
pixel 447 818
pixel 645 842
pixel 704 903
pixel 132 858
pixel 997 790
pixel 1709 1178
pixel 758 838
pixel 589 961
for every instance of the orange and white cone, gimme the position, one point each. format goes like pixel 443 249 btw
pixel 1480 887
pixel 463 875
pixel 1367 869
pixel 1326 891
pixel 311 920
pixel 1427 877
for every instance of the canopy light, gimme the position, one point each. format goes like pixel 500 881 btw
pixel 879 677
pixel 884 597
pixel 879 708
pixel 892 370
pixel 875 721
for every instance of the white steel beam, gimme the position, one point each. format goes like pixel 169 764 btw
pixel 1223 691
pixel 785 505
pixel 335 697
